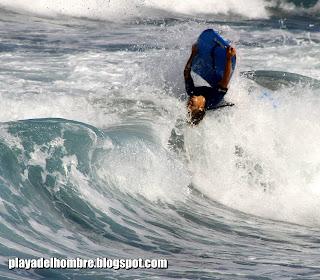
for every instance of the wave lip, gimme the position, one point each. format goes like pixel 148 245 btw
pixel 125 9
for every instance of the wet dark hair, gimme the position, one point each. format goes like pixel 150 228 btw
pixel 196 116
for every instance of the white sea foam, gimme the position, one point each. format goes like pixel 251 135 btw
pixel 120 9
pixel 260 157
pixel 107 88
pixel 125 9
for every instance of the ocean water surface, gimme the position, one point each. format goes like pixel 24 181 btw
pixel 96 159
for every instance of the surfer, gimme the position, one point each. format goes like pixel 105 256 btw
pixel 205 98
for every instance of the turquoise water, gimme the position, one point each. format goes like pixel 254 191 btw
pixel 95 159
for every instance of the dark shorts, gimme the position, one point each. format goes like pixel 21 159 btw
pixel 213 95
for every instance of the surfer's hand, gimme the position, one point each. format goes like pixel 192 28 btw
pixel 231 52
pixel 194 49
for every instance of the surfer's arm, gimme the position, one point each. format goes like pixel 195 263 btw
pixel 227 71
pixel 187 68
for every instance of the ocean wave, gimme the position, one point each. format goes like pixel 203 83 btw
pixel 124 9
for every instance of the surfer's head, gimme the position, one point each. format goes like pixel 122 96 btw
pixel 196 116
pixel 196 109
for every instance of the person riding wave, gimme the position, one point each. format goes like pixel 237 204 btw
pixel 205 98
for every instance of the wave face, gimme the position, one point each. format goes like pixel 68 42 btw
pixel 96 159
pixel 124 9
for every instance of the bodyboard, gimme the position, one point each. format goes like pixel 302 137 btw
pixel 210 61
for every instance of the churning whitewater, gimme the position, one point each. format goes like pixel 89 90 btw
pixel 96 159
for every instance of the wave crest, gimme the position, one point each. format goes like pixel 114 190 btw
pixel 124 9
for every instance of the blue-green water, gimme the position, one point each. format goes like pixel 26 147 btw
pixel 95 159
